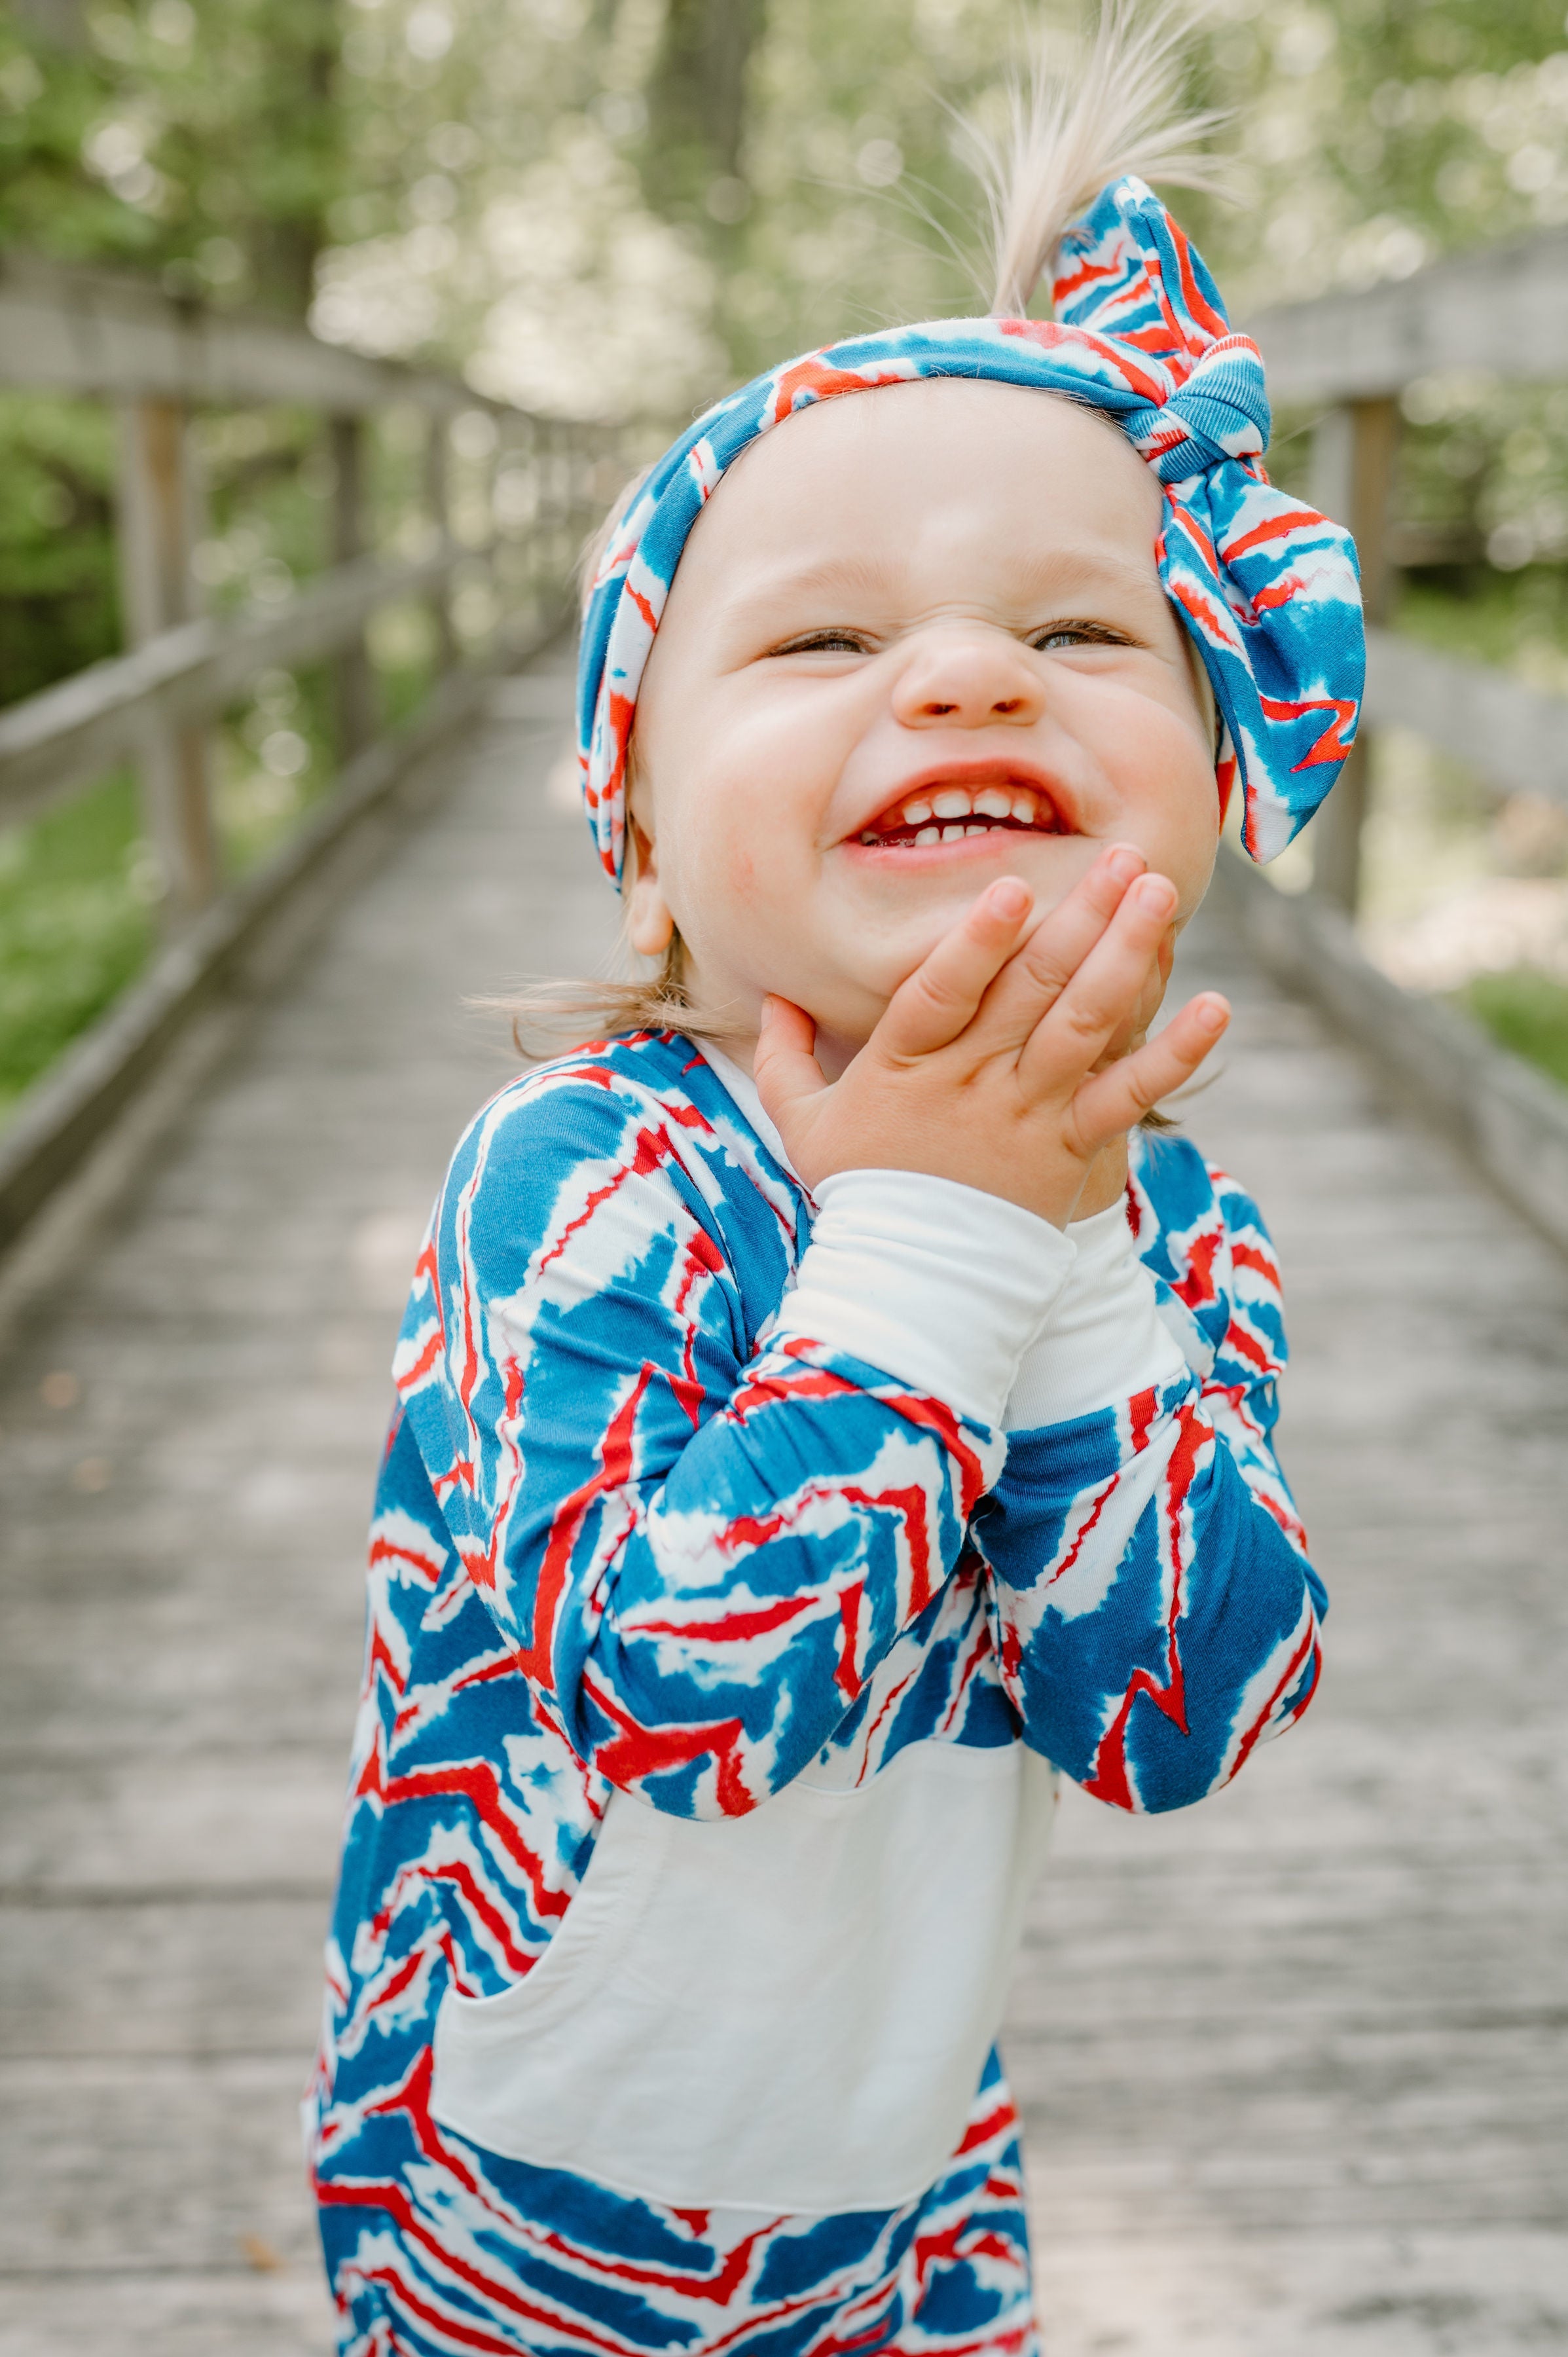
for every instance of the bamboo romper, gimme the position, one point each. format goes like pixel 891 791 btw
pixel 744 1569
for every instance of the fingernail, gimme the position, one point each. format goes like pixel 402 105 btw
pixel 1125 862
pixel 1156 894
pixel 1010 898
pixel 1212 1014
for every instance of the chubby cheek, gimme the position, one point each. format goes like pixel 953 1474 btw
pixel 734 870
pixel 1168 801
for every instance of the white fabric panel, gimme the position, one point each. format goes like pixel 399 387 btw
pixel 939 1284
pixel 1104 1338
pixel 786 2012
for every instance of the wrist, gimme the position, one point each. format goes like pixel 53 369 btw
pixel 937 1284
pixel 1106 1182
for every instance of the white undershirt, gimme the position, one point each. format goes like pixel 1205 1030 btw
pixel 1002 1316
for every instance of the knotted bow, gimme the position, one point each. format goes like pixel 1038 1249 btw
pixel 1267 588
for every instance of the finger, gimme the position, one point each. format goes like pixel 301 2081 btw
pixel 786 1072
pixel 1102 996
pixel 938 999
pixel 1060 943
pixel 1110 1102
pixel 1135 1030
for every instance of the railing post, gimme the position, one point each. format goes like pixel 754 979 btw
pixel 1353 453
pixel 353 685
pixel 437 452
pixel 153 545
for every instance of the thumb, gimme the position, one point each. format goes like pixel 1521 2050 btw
pixel 787 1073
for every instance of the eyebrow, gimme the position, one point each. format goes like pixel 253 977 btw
pixel 1075 570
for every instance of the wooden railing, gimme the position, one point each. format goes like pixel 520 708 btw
pixel 1504 311
pixel 1350 357
pixel 159 363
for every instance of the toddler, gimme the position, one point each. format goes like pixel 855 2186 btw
pixel 828 1411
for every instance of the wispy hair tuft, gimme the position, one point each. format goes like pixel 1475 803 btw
pixel 1117 108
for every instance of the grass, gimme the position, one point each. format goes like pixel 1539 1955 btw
pixel 1526 1011
pixel 75 925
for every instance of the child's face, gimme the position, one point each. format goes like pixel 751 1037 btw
pixel 917 642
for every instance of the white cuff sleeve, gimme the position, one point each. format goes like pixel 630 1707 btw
pixel 939 1285
pixel 1104 1341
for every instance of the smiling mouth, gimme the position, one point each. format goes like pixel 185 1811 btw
pixel 950 814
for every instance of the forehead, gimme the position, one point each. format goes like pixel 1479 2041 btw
pixel 930 469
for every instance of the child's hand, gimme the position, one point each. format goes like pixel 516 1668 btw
pixel 983 1068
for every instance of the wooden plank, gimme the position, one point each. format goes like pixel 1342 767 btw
pixel 1355 451
pixel 154 541
pixel 353 683
pixel 1515 735
pixel 436 470
pixel 66 1112
pixel 173 2161
pixel 51 742
pixel 1503 310
pixel 1348 2293
pixel 156 1976
pixel 94 332
pixel 1510 1119
pixel 256 2305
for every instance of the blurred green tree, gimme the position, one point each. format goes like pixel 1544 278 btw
pixel 696 104
pixel 203 138
pixel 203 141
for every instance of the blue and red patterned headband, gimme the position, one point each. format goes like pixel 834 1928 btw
pixel 1267 587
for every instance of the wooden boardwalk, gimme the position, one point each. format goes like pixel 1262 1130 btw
pixel 1293 2062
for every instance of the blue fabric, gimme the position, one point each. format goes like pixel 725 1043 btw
pixel 586 1389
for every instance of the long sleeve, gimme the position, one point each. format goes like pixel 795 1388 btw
pixel 1154 1609
pixel 699 1544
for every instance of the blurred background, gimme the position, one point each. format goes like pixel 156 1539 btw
pixel 327 328
pixel 614 208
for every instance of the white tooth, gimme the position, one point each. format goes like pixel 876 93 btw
pixel 952 802
pixel 868 836
pixel 977 830
pixel 929 834
pixel 953 833
pixel 916 812
pixel 1024 809
pixel 991 802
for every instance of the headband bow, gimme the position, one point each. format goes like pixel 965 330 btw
pixel 1268 589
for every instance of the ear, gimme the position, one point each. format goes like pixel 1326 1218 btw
pixel 650 927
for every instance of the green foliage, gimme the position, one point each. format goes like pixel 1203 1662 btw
pixel 1515 621
pixel 74 925
pixel 1526 1011
pixel 59 606
pixel 696 109
pixel 202 139
pixel 1373 135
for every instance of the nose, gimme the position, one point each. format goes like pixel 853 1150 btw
pixel 967 679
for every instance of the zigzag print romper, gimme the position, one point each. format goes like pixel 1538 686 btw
pixel 711 1679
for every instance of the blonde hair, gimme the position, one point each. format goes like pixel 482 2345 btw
pixel 1069 132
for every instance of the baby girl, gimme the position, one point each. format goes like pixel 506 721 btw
pixel 828 1409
